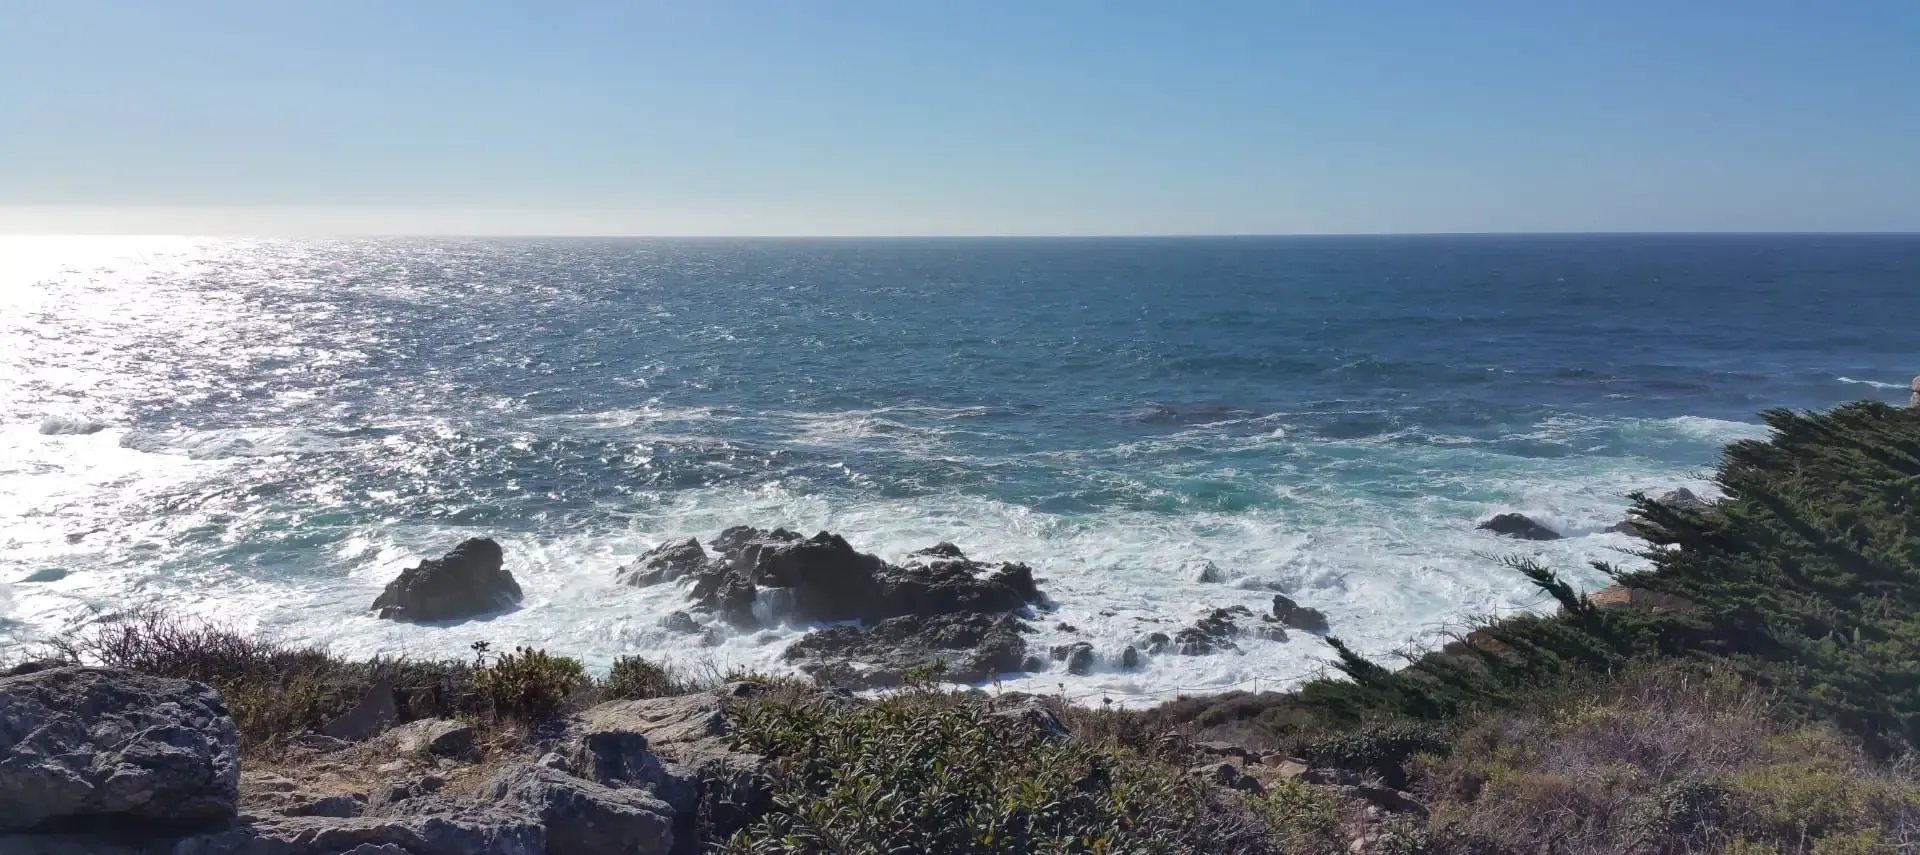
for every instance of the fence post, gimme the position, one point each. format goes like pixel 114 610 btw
pixel 1914 402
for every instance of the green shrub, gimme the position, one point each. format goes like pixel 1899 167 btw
pixel 636 678
pixel 529 685
pixel 1306 819
pixel 923 771
pixel 1377 748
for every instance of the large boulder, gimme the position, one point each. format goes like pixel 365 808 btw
pixel 583 817
pixel 80 747
pixel 463 583
pixel 1520 526
pixel 668 562
pixel 973 647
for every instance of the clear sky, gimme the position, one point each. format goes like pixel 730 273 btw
pixel 958 116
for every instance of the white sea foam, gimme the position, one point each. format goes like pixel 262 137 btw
pixel 238 442
pixel 1877 384
pixel 70 426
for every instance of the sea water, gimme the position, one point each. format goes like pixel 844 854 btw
pixel 261 433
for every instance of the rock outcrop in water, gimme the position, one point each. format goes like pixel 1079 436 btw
pixel 970 647
pixel 935 606
pixel 466 582
pixel 668 562
pixel 823 579
pixel 1520 526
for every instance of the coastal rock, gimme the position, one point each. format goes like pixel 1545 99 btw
pixel 974 648
pixel 434 736
pixel 1214 632
pixel 1155 643
pixel 1230 776
pixel 585 818
pixel 374 713
pixel 1520 526
pixel 84 746
pixel 1295 616
pixel 1206 573
pixel 1130 658
pixel 680 749
pixel 1078 656
pixel 824 579
pixel 667 562
pixel 466 582
pixel 424 825
pixel 1683 499
pixel 1032 714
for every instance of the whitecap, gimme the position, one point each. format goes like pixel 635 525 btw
pixel 1876 384
pixel 238 442
pixel 70 426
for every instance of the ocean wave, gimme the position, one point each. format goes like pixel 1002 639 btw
pixel 230 443
pixel 1877 384
pixel 70 426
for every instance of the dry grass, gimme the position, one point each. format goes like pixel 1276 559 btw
pixel 1667 762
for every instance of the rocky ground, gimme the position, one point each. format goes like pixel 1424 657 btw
pixel 111 762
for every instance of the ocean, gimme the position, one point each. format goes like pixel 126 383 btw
pixel 261 433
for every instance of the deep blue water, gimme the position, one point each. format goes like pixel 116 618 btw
pixel 288 422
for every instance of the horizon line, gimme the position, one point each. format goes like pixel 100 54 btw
pixel 315 235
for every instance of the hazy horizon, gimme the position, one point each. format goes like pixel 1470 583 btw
pixel 864 118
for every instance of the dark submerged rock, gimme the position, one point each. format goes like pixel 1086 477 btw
pixel 1213 632
pixel 974 648
pixel 466 582
pixel 1520 526
pixel 1295 616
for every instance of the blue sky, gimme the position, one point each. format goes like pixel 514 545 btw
pixel 975 117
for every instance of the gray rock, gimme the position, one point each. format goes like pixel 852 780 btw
pixel 680 622
pixel 1520 526
pixel 1683 499
pixel 1213 632
pixel 1230 776
pixel 1078 656
pixel 434 736
pixel 83 746
pixel 1130 658
pixel 1035 716
pixel 678 748
pixel 667 562
pixel 1156 642
pixel 1296 616
pixel 973 647
pixel 374 713
pixel 585 818
pixel 828 580
pixel 1386 798
pixel 463 583
pixel 433 825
